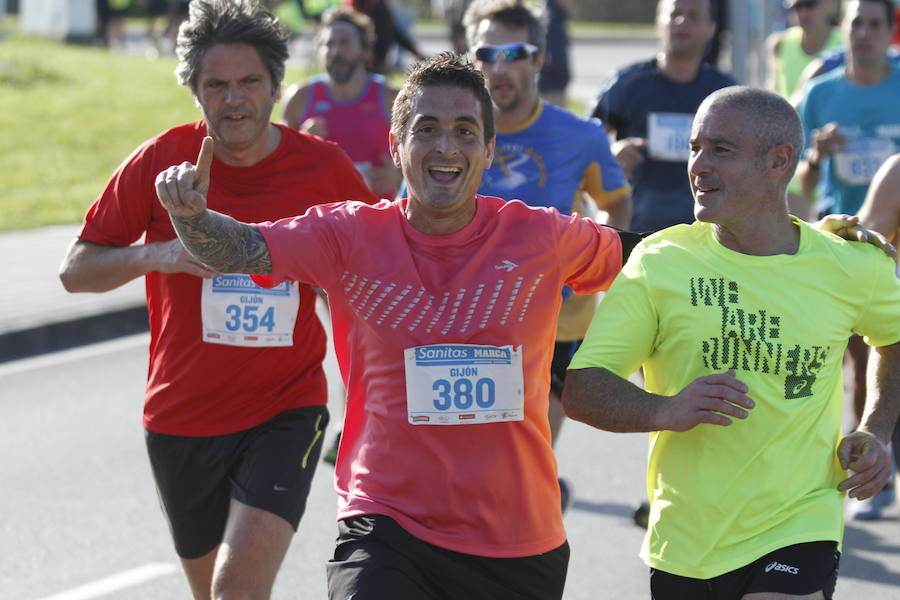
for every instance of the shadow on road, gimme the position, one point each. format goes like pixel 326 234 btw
pixel 865 555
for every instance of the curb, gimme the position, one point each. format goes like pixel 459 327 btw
pixel 53 337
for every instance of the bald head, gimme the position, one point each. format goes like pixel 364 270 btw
pixel 772 119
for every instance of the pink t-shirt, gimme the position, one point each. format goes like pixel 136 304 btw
pixel 487 489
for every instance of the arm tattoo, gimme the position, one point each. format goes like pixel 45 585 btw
pixel 224 244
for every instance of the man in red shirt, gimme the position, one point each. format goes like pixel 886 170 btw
pixel 235 404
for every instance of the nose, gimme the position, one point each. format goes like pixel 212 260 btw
pixel 445 145
pixel 698 164
pixel 499 65
pixel 233 95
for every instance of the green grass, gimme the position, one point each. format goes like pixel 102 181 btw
pixel 69 115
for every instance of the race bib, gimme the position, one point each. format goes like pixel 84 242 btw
pixel 237 312
pixel 669 136
pixel 858 160
pixel 460 384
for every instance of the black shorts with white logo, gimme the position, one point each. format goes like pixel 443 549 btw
pixel 375 559
pixel 269 466
pixel 799 570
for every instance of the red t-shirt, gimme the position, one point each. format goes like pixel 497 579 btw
pixel 485 488
pixel 196 388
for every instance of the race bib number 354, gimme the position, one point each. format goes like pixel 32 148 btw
pixel 237 312
pixel 458 384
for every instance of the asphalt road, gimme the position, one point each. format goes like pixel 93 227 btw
pixel 81 519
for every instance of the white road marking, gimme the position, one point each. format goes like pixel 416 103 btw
pixel 116 582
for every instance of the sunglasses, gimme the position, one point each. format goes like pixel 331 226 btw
pixel 509 52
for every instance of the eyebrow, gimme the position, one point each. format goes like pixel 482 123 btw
pixel 715 141
pixel 464 118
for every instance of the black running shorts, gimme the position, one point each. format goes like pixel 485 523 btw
pixel 799 570
pixel 375 559
pixel 270 467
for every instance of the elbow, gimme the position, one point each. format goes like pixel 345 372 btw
pixel 569 400
pixel 68 280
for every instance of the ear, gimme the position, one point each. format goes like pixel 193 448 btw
pixel 489 152
pixel 395 149
pixel 780 159
pixel 539 59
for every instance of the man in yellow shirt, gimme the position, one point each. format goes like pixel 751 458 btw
pixel 740 321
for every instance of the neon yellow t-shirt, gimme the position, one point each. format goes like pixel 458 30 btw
pixel 684 306
pixel 792 60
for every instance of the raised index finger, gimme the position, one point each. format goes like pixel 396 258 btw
pixel 204 159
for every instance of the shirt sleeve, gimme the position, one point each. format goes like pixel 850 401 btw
pixel 122 213
pixel 879 322
pixel 623 331
pixel 591 254
pixel 603 178
pixel 306 248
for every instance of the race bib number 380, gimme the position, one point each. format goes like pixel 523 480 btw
pixel 458 384
pixel 237 312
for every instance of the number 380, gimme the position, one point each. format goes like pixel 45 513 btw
pixel 463 392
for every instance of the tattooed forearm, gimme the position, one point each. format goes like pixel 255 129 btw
pixel 223 243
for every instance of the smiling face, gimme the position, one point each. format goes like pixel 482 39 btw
pixel 512 84
pixel 235 92
pixel 443 155
pixel 726 167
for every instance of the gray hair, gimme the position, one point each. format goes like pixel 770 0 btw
pixel 509 13
pixel 772 117
pixel 214 22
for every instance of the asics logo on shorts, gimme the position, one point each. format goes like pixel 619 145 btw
pixel 777 566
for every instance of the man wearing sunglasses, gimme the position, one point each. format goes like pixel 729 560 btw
pixel 545 155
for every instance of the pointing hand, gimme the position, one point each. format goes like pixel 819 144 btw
pixel 182 189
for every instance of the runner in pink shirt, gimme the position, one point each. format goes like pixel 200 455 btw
pixel 444 307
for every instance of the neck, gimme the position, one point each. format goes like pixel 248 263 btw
pixel 682 69
pixel 776 234
pixel 515 118
pixel 868 72
pixel 430 221
pixel 351 88
pixel 250 154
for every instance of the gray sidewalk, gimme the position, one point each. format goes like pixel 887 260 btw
pixel 37 315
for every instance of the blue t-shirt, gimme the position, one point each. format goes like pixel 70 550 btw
pixel 837 57
pixel 640 101
pixel 869 117
pixel 551 158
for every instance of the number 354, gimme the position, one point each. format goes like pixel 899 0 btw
pixel 247 318
pixel 463 393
